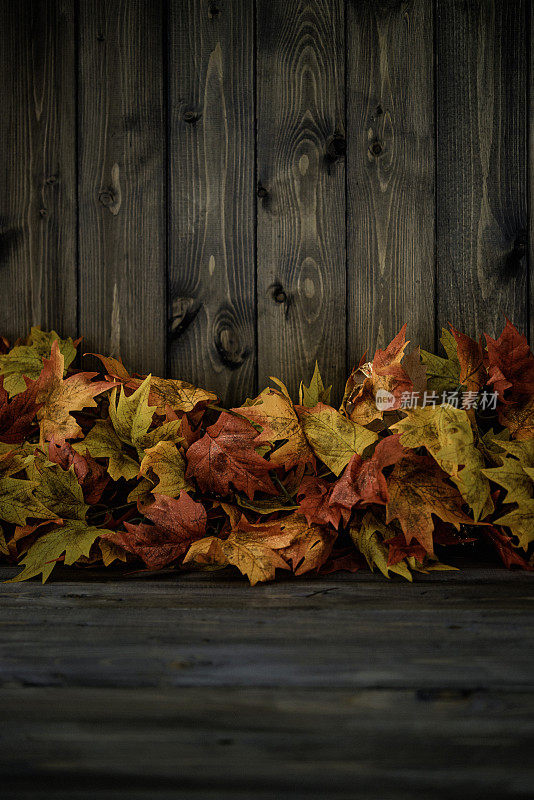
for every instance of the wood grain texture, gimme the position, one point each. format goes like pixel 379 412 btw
pixel 200 687
pixel 481 167
pixel 122 181
pixel 301 183
pixel 268 743
pixel 211 222
pixel 37 167
pixel 390 178
pixel 530 309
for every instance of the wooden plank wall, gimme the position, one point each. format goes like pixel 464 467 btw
pixel 229 189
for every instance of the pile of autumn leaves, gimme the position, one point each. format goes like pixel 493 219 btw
pixel 151 471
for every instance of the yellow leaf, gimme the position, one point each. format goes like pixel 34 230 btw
pixel 369 538
pixel 166 461
pixel 333 437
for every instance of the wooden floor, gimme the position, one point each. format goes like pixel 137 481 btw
pixel 201 687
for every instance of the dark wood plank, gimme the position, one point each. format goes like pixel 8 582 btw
pixel 530 310
pixel 228 743
pixel 358 632
pixel 122 181
pixel 481 164
pixel 301 183
pixel 37 167
pixel 211 223
pixel 390 173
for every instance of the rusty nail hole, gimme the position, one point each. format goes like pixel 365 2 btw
pixel 376 148
pixel 262 191
pixel 279 296
pixel 100 37
pixel 43 212
pixel 51 180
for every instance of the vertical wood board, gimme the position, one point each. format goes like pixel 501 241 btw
pixel 390 174
pixel 301 187
pixel 211 211
pixel 122 181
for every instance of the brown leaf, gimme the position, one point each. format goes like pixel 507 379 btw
pixel 226 456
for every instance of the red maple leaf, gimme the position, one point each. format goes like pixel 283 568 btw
pixel 363 481
pixel 178 523
pixel 17 415
pixel 92 476
pixel 226 456
pixel 510 362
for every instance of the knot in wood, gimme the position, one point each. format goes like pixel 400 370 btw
pixel 191 117
pixel 279 295
pixel 336 147
pixel 262 192
pixel 376 148
pixel 213 11
pixel 106 197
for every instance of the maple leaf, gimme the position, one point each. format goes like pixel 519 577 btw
pixel 518 417
pixel 226 456
pixel 385 374
pixel 26 360
pixel 473 373
pixel 334 438
pixel 58 397
pixel 111 552
pixel 363 481
pixel 310 545
pixel 344 559
pixel 17 415
pixel 416 371
pixel 132 417
pixel 250 548
pixel 74 539
pixel 513 477
pixel 443 374
pixel 91 475
pixel 314 502
pixel 168 464
pixel 316 392
pixel 59 491
pixel 369 538
pixel 417 490
pixel 521 522
pixel 164 392
pixel 103 442
pixel 505 548
pixel 275 413
pixel 178 523
pixel 18 501
pixel 447 434
pixel 510 363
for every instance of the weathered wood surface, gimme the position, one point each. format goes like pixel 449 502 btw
pixel 340 687
pixel 37 166
pixel 174 181
pixel 211 195
pixel 122 181
pixel 390 173
pixel 301 189
pixel 481 181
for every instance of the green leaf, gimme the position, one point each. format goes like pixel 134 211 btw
pixel 74 538
pixel 18 502
pixel 369 538
pixel 316 392
pixel 27 360
pixel 443 374
pixel 103 442
pixel 333 437
pixel 59 491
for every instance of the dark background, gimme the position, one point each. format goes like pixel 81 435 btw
pixel 225 190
